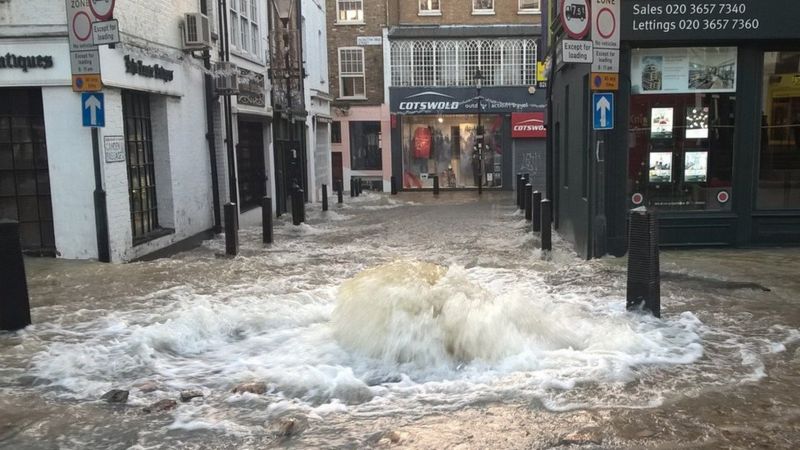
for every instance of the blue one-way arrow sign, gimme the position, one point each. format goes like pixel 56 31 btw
pixel 94 109
pixel 603 107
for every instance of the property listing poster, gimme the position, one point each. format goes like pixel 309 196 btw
pixel 695 167
pixel 660 167
pixel 683 70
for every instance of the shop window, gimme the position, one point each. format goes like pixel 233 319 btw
pixel 141 164
pixel 365 146
pixel 779 171
pixel 445 146
pixel 244 25
pixel 429 8
pixel 349 11
pixel 336 132
pixel 530 6
pixel 482 6
pixel 682 119
pixel 351 72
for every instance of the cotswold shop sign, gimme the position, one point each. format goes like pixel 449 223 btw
pixel 651 20
pixel 464 100
pixel 11 61
pixel 138 68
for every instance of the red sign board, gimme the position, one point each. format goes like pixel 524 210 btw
pixel 528 125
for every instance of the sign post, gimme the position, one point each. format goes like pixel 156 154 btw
pixel 606 23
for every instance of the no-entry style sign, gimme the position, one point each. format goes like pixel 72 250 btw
pixel 79 26
pixel 605 23
pixel 575 18
pixel 102 9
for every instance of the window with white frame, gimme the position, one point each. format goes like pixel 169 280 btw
pixel 351 72
pixel 482 6
pixel 429 7
pixel 530 6
pixel 349 11
pixel 244 26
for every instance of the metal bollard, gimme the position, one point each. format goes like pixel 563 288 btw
pixel 547 222
pixel 231 229
pixel 352 187
pixel 266 220
pixel 295 209
pixel 324 197
pixel 15 308
pixel 519 190
pixel 301 204
pixel 536 201
pixel 644 275
pixel 528 202
pixel 435 185
pixel 394 185
pixel 340 194
pixel 359 187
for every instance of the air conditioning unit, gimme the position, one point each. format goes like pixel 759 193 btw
pixel 196 32
pixel 227 78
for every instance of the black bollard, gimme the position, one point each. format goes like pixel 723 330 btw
pixel 266 220
pixel 297 219
pixel 324 197
pixel 536 201
pixel 352 187
pixel 359 187
pixel 394 185
pixel 528 202
pixel 644 275
pixel 435 185
pixel 518 196
pixel 547 236
pixel 301 204
pixel 340 194
pixel 15 308
pixel 231 229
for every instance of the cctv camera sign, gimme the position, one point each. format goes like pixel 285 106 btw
pixel 575 18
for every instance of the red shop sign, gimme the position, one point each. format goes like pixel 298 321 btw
pixel 528 125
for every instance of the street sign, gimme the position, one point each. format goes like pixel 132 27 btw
pixel 79 25
pixel 104 33
pixel 87 83
pixel 575 18
pixel 85 62
pixel 605 60
pixel 603 108
pixel 577 51
pixel 114 147
pixel 94 112
pixel 102 9
pixel 606 23
pixel 604 81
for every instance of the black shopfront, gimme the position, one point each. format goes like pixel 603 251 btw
pixel 435 133
pixel 707 129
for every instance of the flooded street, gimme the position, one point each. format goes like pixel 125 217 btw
pixel 406 321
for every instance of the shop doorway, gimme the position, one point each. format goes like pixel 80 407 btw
pixel 24 174
pixel 250 162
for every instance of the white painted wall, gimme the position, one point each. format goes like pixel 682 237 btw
pixel 315 56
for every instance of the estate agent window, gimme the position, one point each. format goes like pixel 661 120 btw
pixel 349 11
pixel 529 6
pixel 779 171
pixel 244 26
pixel 365 146
pixel 429 7
pixel 482 6
pixel 682 119
pixel 351 72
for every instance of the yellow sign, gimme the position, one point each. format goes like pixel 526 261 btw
pixel 541 73
pixel 87 83
pixel 604 81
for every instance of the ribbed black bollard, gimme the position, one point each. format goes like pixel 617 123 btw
pixel 324 197
pixel 295 208
pixel 266 220
pixel 537 211
pixel 340 194
pixel 359 187
pixel 394 185
pixel 301 204
pixel 231 229
pixel 15 308
pixel 644 275
pixel 528 202
pixel 435 185
pixel 547 221
pixel 352 187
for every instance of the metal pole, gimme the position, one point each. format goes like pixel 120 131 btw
pixel 15 308
pixel 537 211
pixel 480 145
pixel 100 206
pixel 324 197
pixel 547 238
pixel 266 220
pixel 528 202
pixel 231 229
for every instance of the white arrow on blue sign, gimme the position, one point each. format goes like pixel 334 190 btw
pixel 603 107
pixel 94 109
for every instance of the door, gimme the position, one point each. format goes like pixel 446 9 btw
pixel 338 169
pixel 24 175
pixel 250 161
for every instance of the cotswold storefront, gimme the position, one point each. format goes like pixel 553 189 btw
pixel 434 133
pixel 710 118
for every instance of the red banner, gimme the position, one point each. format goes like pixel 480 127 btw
pixel 528 125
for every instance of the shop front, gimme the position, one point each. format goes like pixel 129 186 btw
pixel 435 133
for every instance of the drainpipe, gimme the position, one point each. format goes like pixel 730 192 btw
pixel 212 140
